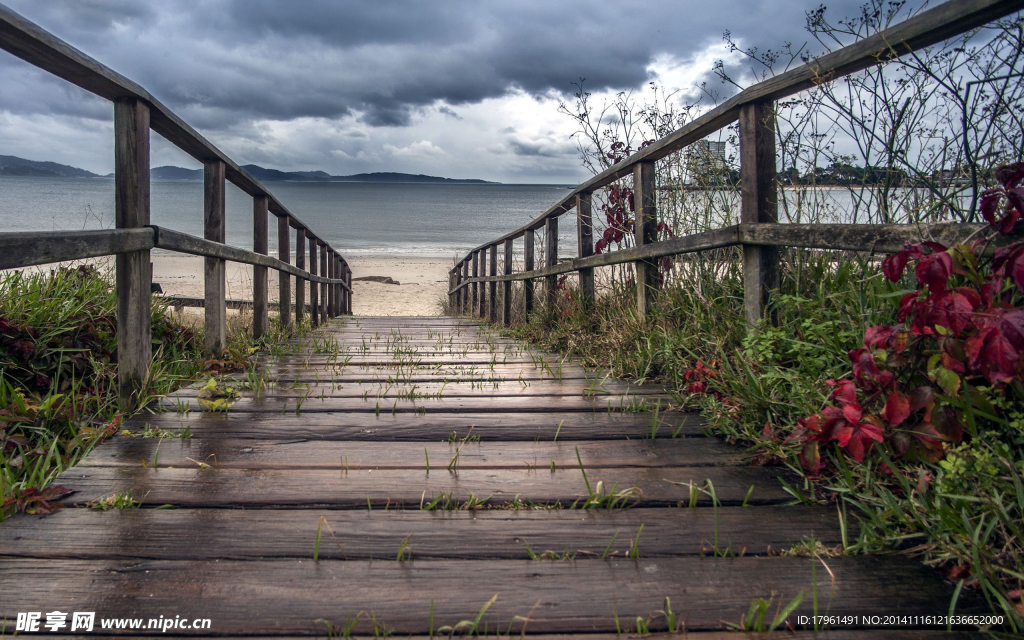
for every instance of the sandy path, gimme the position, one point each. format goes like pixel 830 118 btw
pixel 423 282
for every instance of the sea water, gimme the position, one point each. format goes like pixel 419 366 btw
pixel 439 220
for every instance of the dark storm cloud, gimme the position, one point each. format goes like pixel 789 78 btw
pixel 217 63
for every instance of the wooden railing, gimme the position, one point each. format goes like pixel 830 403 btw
pixel 136 112
pixel 472 291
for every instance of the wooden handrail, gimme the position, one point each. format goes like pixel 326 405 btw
pixel 876 238
pixel 136 113
pixel 758 233
pixel 32 248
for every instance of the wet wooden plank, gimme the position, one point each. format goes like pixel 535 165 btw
pixel 294 453
pixel 353 489
pixel 450 371
pixel 442 391
pixel 431 426
pixel 196 534
pixel 536 404
pixel 289 596
pixel 356 385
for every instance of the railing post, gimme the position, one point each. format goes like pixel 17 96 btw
pixel 300 283
pixel 260 244
pixel 284 288
pixel 528 240
pixel 506 287
pixel 332 290
pixel 492 286
pixel 335 290
pixel 550 260
pixel 585 244
pixel 758 204
pixel 474 295
pixel 323 285
pixel 645 230
pixel 131 207
pixel 467 289
pixel 482 303
pixel 214 271
pixel 314 308
pixel 348 281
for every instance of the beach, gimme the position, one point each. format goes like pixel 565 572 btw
pixel 423 282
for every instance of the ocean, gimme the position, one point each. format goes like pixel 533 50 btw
pixel 439 220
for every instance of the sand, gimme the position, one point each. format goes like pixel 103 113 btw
pixel 423 282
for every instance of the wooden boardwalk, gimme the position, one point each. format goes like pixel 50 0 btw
pixel 382 434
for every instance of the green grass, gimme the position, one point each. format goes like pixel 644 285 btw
pixel 962 515
pixel 58 377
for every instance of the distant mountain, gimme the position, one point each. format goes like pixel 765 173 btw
pixel 175 173
pixel 273 175
pixel 13 166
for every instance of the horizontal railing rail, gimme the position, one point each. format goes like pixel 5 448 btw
pixel 136 113
pixel 759 232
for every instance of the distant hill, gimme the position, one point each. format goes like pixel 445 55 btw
pixel 175 173
pixel 13 166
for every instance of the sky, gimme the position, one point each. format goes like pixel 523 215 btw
pixel 457 88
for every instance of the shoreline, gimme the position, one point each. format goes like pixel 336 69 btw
pixel 423 281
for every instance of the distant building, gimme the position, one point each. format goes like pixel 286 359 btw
pixel 704 159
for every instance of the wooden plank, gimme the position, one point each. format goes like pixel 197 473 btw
pixel 215 324
pixel 645 212
pixel 295 453
pixel 465 290
pixel 875 238
pixel 133 277
pixel 417 427
pixel 585 243
pixel 354 489
pixel 393 388
pixel 528 404
pixel 550 260
pixel 290 595
pixel 260 244
pixel 284 290
pixel 29 248
pixel 758 204
pixel 213 534
pixel 286 375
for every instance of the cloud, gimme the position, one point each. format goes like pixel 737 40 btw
pixel 421 149
pixel 348 78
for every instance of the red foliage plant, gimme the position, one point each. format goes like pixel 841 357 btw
pixel 962 328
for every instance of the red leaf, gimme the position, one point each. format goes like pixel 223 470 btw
pixel 877 337
pixel 858 439
pixel 897 408
pixel 920 397
pixel 934 270
pixel 894 265
pixel 989 352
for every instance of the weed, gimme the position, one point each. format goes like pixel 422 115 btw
pixel 118 501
